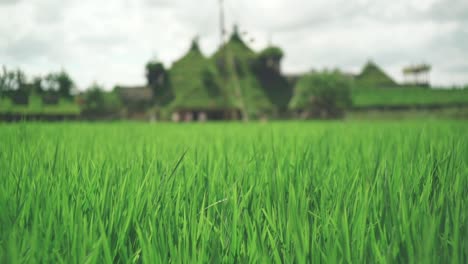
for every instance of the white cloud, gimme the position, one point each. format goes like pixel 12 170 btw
pixel 110 41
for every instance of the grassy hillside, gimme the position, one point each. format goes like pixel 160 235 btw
pixel 324 192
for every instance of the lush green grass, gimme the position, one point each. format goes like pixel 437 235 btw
pixel 280 192
pixel 408 96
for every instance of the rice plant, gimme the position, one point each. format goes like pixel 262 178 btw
pixel 286 192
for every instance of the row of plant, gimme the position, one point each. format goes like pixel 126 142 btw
pixel 315 192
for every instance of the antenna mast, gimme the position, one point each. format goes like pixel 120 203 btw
pixel 229 63
pixel 222 24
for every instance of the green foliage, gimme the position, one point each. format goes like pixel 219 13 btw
pixel 266 67
pixel 12 80
pixel 267 60
pixel 354 192
pixel 158 79
pixel 13 84
pixel 271 52
pixel 59 83
pixel 37 85
pixel 155 74
pixel 326 94
pixel 99 102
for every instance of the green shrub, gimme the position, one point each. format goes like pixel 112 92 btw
pixel 99 102
pixel 324 95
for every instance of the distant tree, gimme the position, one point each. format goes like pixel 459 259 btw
pixel 60 83
pixel 268 60
pixel 267 68
pixel 37 85
pixel 14 85
pixel 12 80
pixel 158 79
pixel 66 84
pixel 96 101
pixel 5 81
pixel 94 98
pixel 49 83
pixel 324 95
pixel 155 74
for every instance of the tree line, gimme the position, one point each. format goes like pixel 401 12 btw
pixel 14 84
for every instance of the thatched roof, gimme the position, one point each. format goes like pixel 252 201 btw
pixel 416 69
pixel 196 84
pixel 224 81
pixel 239 57
pixel 372 76
pixel 135 94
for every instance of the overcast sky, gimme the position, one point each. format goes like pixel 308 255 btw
pixel 110 41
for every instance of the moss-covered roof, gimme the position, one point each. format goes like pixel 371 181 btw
pixel 372 76
pixel 195 83
pixel 202 83
pixel 267 69
pixel 240 56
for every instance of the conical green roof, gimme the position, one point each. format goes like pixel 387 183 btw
pixel 195 83
pixel 372 76
pixel 243 87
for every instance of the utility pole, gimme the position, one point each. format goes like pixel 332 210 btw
pixel 221 22
pixel 228 60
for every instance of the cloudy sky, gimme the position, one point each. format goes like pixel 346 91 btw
pixel 109 41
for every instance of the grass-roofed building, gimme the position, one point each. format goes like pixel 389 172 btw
pixel 197 89
pixel 234 83
pixel 233 62
pixel 267 69
pixel 372 76
pixel 136 101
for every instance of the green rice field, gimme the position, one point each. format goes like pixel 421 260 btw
pixel 280 192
